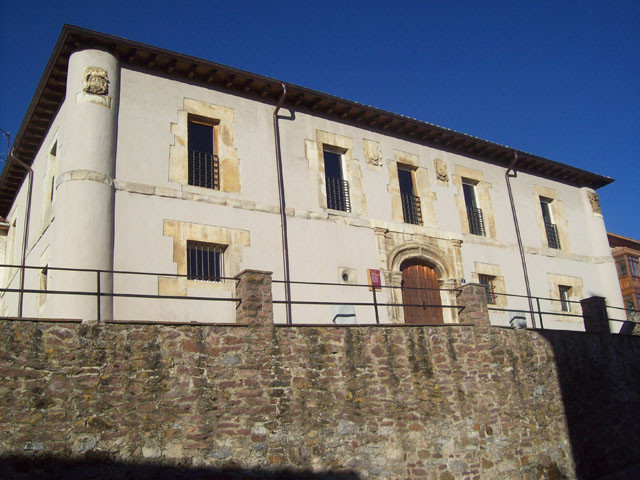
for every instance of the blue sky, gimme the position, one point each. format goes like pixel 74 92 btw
pixel 555 78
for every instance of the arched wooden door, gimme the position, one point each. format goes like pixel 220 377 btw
pixel 416 275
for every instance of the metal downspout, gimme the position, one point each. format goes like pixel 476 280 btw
pixel 283 204
pixel 515 222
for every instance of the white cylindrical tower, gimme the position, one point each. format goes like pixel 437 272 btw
pixel 609 283
pixel 84 197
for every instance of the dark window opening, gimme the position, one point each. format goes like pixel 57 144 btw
pixel 336 187
pixel 474 214
pixel 411 208
pixel 551 228
pixel 565 294
pixel 204 168
pixel 488 282
pixel 204 261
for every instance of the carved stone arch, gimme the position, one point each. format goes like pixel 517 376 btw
pixel 431 255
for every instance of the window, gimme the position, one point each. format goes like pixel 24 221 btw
pixel 205 261
pixel 488 282
pixel 204 166
pixel 411 209
pixel 634 266
pixel 337 187
pixel 565 294
pixel 474 214
pixel 550 228
pixel 621 266
pixel 49 183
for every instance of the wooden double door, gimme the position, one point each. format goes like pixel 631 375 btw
pixel 420 287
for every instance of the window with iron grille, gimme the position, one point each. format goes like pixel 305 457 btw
pixel 205 261
pixel 337 188
pixel 551 229
pixel 411 209
pixel 474 214
pixel 204 166
pixel 565 294
pixel 488 282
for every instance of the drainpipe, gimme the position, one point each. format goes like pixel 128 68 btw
pixel 283 204
pixel 26 222
pixel 515 222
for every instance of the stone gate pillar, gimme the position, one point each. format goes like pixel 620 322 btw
pixel 472 301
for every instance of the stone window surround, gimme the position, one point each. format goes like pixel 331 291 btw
pixel 53 166
pixel 222 118
pixel 234 240
pixel 421 184
pixel 576 284
pixel 314 152
pixel 483 199
pixel 498 280
pixel 559 218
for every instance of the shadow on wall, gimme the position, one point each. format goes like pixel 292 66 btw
pixel 96 467
pixel 599 378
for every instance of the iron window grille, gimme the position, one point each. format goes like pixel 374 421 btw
pixel 338 194
pixel 487 282
pixel 411 209
pixel 552 235
pixel 204 170
pixel 476 221
pixel 204 261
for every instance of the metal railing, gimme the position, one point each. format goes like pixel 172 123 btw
pixel 537 314
pixel 338 194
pixel 204 170
pixel 411 209
pixel 476 221
pixel 98 292
pixel 552 235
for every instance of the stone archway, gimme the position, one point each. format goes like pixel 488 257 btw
pixel 444 270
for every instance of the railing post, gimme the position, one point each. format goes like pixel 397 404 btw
pixel 256 298
pixel 473 300
pixel 539 313
pixel 375 304
pixel 98 293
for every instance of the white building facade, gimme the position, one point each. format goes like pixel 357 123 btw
pixel 150 161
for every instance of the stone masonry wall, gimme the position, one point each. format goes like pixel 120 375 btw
pixel 448 402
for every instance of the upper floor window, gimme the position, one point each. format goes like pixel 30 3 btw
pixel 204 165
pixel 488 282
pixel 550 227
pixel 205 261
pixel 411 209
pixel 474 214
pixel 337 187
pixel 565 294
pixel 621 267
pixel 634 266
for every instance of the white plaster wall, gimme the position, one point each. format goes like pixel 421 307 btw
pixel 319 247
pixel 40 232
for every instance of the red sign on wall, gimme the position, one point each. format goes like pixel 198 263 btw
pixel 375 279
